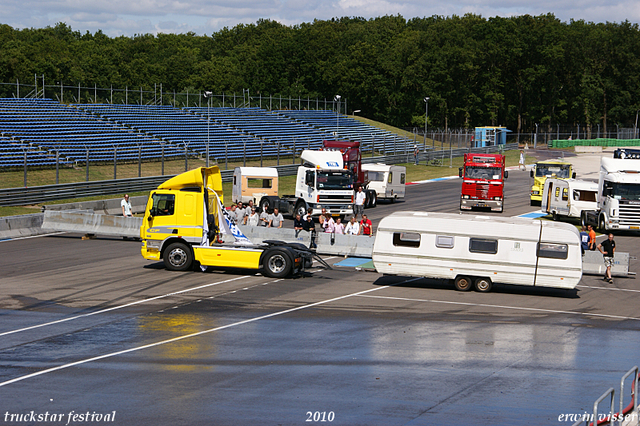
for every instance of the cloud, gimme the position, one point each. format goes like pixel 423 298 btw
pixel 126 17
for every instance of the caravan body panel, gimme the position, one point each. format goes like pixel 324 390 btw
pixel 388 181
pixel 569 197
pixel 505 250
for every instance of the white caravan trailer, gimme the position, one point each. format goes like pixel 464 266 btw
pixel 479 250
pixel 253 183
pixel 568 197
pixel 387 181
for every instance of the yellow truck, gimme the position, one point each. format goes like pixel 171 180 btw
pixel 183 220
pixel 542 170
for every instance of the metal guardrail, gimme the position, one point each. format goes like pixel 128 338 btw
pixel 64 191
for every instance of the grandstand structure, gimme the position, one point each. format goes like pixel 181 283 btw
pixel 47 133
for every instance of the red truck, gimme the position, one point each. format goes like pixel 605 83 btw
pixel 483 178
pixel 353 161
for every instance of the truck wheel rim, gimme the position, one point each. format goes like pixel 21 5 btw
pixel 177 257
pixel 277 263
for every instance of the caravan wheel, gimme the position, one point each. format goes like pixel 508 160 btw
pixel 462 283
pixel 483 285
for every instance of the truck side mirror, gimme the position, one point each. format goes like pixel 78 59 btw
pixel 573 175
pixel 459 171
pixel 309 178
pixel 506 174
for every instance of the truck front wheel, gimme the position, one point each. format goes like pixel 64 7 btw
pixel 277 264
pixel 177 257
pixel 301 209
pixel 602 225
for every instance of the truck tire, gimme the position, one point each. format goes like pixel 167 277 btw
pixel 374 199
pixel 277 263
pixel 301 209
pixel 583 219
pixel 178 257
pixel 483 285
pixel 462 283
pixel 602 224
pixel 265 204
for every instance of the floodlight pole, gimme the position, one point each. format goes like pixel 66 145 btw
pixel 337 99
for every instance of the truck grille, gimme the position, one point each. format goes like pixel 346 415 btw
pixel 482 191
pixel 629 214
pixel 334 198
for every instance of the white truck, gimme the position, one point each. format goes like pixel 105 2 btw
pixel 618 205
pixel 568 197
pixel 388 181
pixel 321 182
pixel 478 250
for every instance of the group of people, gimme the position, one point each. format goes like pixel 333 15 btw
pixel 252 216
pixel 331 226
pixel 607 248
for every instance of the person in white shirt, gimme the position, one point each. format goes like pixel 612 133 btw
pixel 353 227
pixel 276 219
pixel 329 224
pixel 126 206
pixel 254 218
pixel 264 218
pixel 358 208
pixel 339 227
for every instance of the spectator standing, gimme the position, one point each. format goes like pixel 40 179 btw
pixel 322 217
pixel 366 226
pixel 608 249
pixel 254 218
pixel 339 227
pixel 310 226
pixel 264 218
pixel 240 212
pixel 298 224
pixel 353 227
pixel 592 238
pixel 416 152
pixel 521 162
pixel 584 239
pixel 275 219
pixel 126 206
pixel 358 208
pixel 233 214
pixel 328 224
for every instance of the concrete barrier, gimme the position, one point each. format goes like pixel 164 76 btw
pixel 110 206
pixel 86 222
pixel 21 226
pixel 588 149
pixel 593 264
pixel 343 245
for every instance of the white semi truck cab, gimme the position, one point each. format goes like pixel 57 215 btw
pixel 618 196
pixel 321 182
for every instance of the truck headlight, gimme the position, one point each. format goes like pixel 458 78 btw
pixel 466 197
pixel 497 198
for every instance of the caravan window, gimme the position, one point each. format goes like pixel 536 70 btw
pixel 557 191
pixel 406 239
pixel 376 176
pixel 259 183
pixel 478 245
pixel 553 251
pixel 390 180
pixel 565 194
pixel 402 178
pixel 444 241
pixel 582 195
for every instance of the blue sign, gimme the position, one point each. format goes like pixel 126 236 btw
pixel 332 164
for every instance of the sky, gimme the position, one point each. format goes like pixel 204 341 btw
pixel 130 17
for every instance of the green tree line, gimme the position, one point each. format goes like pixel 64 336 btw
pixel 516 71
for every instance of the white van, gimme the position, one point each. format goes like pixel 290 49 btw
pixel 253 183
pixel 479 250
pixel 388 181
pixel 568 197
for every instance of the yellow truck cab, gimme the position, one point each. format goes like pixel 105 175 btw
pixel 182 223
pixel 542 170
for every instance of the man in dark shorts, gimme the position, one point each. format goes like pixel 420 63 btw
pixel 608 249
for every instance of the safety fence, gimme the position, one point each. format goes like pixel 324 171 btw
pixel 604 142
pixel 46 193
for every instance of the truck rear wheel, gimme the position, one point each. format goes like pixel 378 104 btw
pixel 374 199
pixel 301 209
pixel 177 257
pixel 277 263
pixel 462 283
pixel 265 205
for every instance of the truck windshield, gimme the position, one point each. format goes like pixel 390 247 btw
pixel 623 191
pixel 557 170
pixel 335 180
pixel 486 173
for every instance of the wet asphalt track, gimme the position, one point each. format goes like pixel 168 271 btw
pixel 91 327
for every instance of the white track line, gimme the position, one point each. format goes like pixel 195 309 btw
pixel 187 336
pixel 4 240
pixel 483 305
pixel 121 306
pixel 607 288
